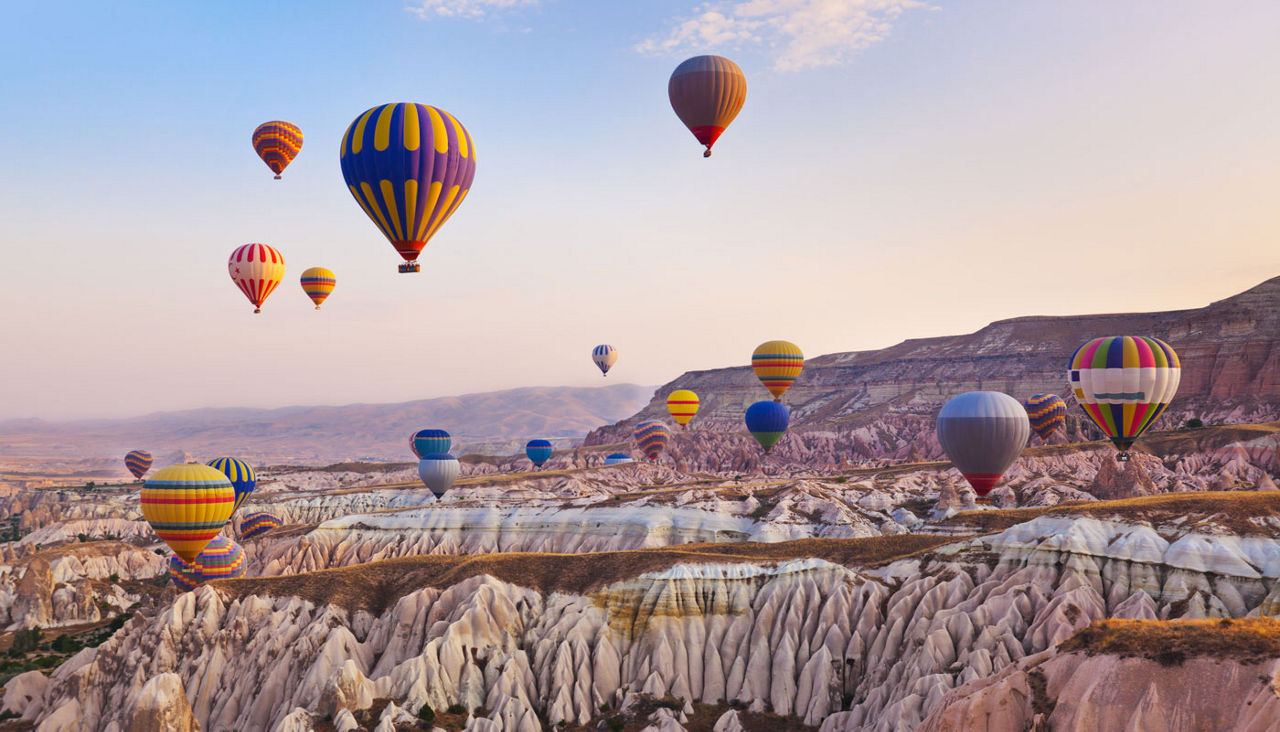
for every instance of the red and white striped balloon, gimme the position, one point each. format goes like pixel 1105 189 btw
pixel 257 269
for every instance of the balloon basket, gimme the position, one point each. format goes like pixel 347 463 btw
pixel 1122 457
pixel 706 153
pixel 277 177
pixel 410 267
pixel 257 311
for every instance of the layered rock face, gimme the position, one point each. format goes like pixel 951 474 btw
pixel 67 587
pixel 856 647
pixel 881 404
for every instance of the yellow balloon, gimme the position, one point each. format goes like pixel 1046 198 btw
pixel 682 404
pixel 777 364
pixel 187 505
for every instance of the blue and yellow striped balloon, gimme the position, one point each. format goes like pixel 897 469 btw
pixel 187 505
pixel 409 166
pixel 652 436
pixel 259 523
pixel 318 282
pixel 241 475
pixel 538 452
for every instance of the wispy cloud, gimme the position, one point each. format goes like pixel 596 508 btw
pixel 802 33
pixel 468 9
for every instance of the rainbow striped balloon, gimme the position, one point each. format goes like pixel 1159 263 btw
pixel 256 524
pixel 257 269
pixel 409 166
pixel 241 475
pixel 682 404
pixel 138 462
pixel 318 282
pixel 277 142
pixel 223 558
pixel 1048 413
pixel 187 505
pixel 1124 383
pixel 777 364
pixel 652 436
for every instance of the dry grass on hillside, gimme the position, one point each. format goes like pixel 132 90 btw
pixel 377 585
pixel 1232 510
pixel 1170 642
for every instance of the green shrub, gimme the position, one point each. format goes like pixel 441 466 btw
pixel 456 709
pixel 427 714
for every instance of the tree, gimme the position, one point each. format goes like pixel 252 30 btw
pixel 1194 423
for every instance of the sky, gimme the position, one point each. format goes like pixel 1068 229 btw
pixel 901 169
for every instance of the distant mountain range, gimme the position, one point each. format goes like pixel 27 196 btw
pixel 497 422
pixel 874 404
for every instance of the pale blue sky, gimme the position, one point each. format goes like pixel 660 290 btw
pixel 899 170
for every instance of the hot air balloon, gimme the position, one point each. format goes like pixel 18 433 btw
pixel 259 523
pixel 605 356
pixel 617 458
pixel 706 93
pixel 1124 383
pixel 1048 413
pixel 777 364
pixel 767 421
pixel 138 462
pixel 538 451
pixel 277 142
pixel 426 442
pixel 187 505
pixel 983 432
pixel 318 282
pixel 408 166
pixel 652 436
pixel 241 475
pixel 222 558
pixel 257 270
pixel 438 471
pixel 682 404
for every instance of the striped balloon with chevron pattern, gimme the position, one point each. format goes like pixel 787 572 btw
pixel 1048 414
pixel 277 142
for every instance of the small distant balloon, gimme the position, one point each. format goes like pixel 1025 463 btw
pixel 767 422
pixel 707 92
pixel 652 437
pixel 538 452
pixel 241 475
pixel 682 404
pixel 257 269
pixel 1124 384
pixel 438 471
pixel 604 356
pixel 277 142
pixel 777 365
pixel 138 462
pixel 318 282
pixel 430 441
pixel 1048 414
pixel 617 458
pixel 259 523
pixel 983 432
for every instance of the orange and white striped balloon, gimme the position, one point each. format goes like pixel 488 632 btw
pixel 257 269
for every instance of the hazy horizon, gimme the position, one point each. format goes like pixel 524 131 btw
pixel 900 170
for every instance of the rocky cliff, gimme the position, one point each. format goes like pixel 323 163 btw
pixel 882 404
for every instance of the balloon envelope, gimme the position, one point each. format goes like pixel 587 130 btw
pixel 241 475
pixel 604 356
pixel 409 166
pixel 438 472
pixel 187 505
pixel 138 462
pixel 318 282
pixel 682 404
pixel 1124 383
pixel 259 523
pixel 430 441
pixel 257 269
pixel 707 92
pixel 1048 413
pixel 617 458
pixel 652 436
pixel 777 364
pixel 538 452
pixel 767 421
pixel 222 558
pixel 983 432
pixel 277 142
